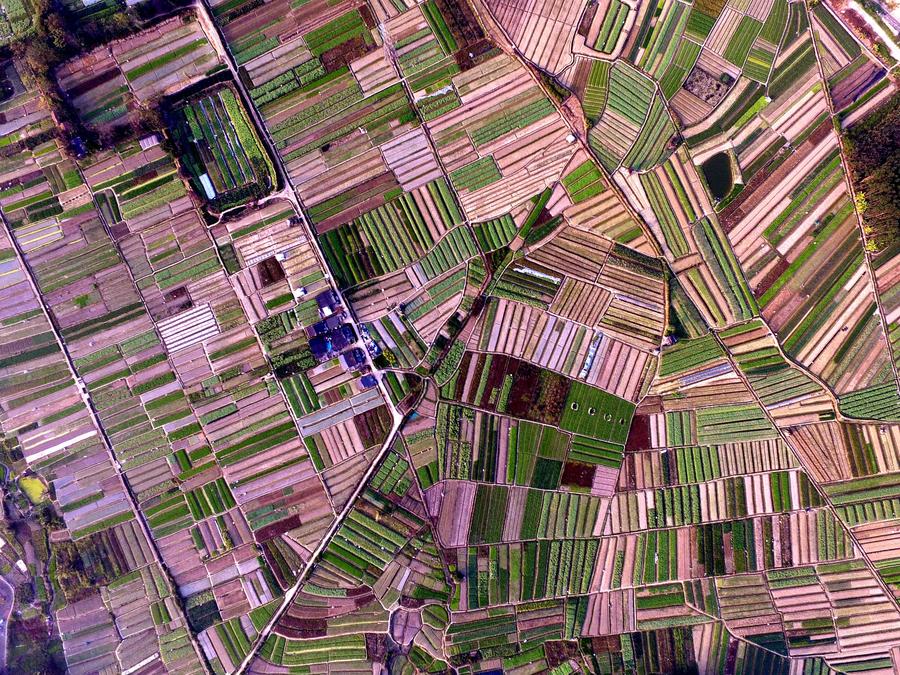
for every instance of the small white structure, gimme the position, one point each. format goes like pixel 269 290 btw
pixel 148 142
pixel 188 328
pixel 208 186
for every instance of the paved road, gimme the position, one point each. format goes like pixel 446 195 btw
pixel 289 192
pixel 7 600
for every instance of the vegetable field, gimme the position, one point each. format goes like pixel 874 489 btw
pixel 561 348
pixel 223 153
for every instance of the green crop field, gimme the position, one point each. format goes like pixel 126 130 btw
pixel 449 337
pixel 595 413
pixel 223 153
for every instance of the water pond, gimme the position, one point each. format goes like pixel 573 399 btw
pixel 717 171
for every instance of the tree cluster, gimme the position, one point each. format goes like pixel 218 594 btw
pixel 873 148
pixel 60 35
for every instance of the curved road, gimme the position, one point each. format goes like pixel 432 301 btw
pixel 7 600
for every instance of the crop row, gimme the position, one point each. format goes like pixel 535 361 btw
pixel 437 294
pixel 298 653
pixel 595 413
pixel 480 173
pixel 741 41
pixel 759 62
pixel 210 499
pixel 339 91
pixel 776 22
pixel 366 542
pixel 678 69
pixel 496 233
pixel 668 221
pixel 722 263
pixel 377 242
pixel 834 27
pixel 664 40
pixel 699 24
pixel 392 476
pixel 610 29
pixel 511 120
pixel 522 285
pixel 630 93
pixel 596 90
pixel 395 235
pixel 164 59
pixel 880 402
pixel 456 247
pixel 884 486
pixel 723 424
pixel 254 439
pixel 653 140
pixel 535 455
pixel 526 572
pixel 584 182
pixel 335 32
pixel 300 394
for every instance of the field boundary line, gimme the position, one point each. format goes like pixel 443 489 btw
pixel 323 544
pixel 101 432
pixel 848 181
pixel 825 496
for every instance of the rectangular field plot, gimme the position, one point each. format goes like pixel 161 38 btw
pixel 108 85
pixel 223 152
pixel 595 413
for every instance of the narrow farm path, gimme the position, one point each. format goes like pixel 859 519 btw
pixel 95 418
pixel 7 600
pixel 289 193
pixel 811 476
pixel 499 34
pixel 867 242
pixel 487 17
pixel 434 151
pixel 323 543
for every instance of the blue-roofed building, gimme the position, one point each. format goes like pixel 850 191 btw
pixel 354 359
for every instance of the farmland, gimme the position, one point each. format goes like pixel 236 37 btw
pixel 451 337
pixel 223 153
pixel 107 86
pixel 15 21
